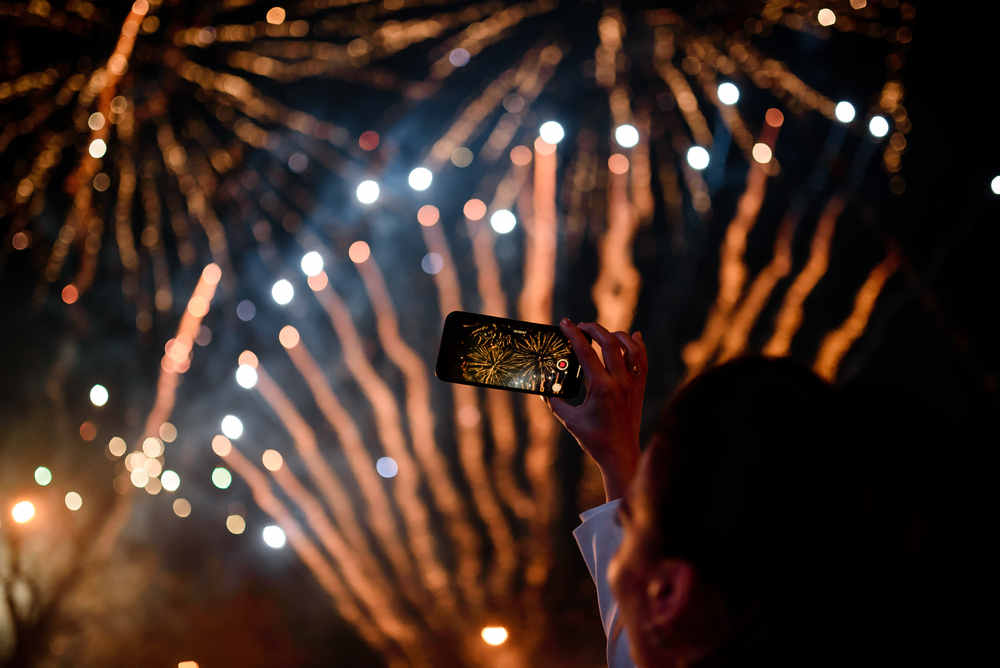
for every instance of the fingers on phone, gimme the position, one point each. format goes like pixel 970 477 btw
pixel 581 346
pixel 611 348
pixel 635 353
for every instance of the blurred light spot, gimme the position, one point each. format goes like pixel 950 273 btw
pixel 274 536
pixel 387 467
pixel 207 35
pixel 222 478
pixel 96 121
pixel 74 501
pixel 358 47
pixel 152 447
pixel 245 310
pixel 503 221
pixel 368 140
pixel 995 185
pixel 20 241
pixel 469 416
pixel 618 163
pixel 359 252
pixel 221 445
pixel 168 432
pixel 420 178
pixel 97 148
pixel 462 157
pixel 317 282
pixel 170 480
pixel 276 15
pixel 897 185
pixel 117 446
pixel 367 192
pixel 88 431
pixel 520 155
pixel 626 136
pixel 98 395
pixel 70 294
pixel 728 93
pixel 272 460
pixel 182 508
pixel 282 292
pixel 458 57
pixel 153 485
pixel 494 635
pixel 43 476
pixel 697 157
pixel 542 147
pixel 474 209
pixel 551 132
pixel 236 524
pixel 23 512
pixel 761 153
pixel 513 103
pixel 312 263
pixel 844 112
pixel 248 358
pixel 826 17
pixel 101 182
pixel 119 104
pixel 859 4
pixel 153 467
pixel 878 126
pixel 246 376
pixel 187 664
pixel 135 460
pixel 298 162
pixel 774 118
pixel 288 336
pixel 432 263
pixel 428 215
pixel 232 427
pixel 197 306
pixel 139 477
pixel 211 273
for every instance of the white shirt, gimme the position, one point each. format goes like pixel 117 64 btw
pixel 599 537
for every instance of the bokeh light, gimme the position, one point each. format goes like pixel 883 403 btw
pixel 117 446
pixel 70 294
pixel 995 185
pixel 428 215
pixel 551 132
pixel 170 480
pixel 728 93
pixel 826 17
pixel 761 153
pixel 459 57
pixel 232 427
pixel 43 476
pixel 618 164
pixel 221 445
pixel 367 192
pixel 74 501
pixel 844 111
pixel 182 507
pixel 474 209
pixel 246 376
pixel 88 431
pixel 297 163
pixel 288 337
pixel 98 395
pixel 187 664
pixel 368 140
pixel 420 178
pixel 462 157
pixel 697 157
pixel 152 447
pixel 878 126
pixel 520 155
pixel 236 524
pixel 272 460
pixel 503 221
pixel 274 536
pixel 282 292
pixel 359 252
pixel 276 15
pixel 387 467
pixel 96 121
pixel 312 263
pixel 97 148
pixel 168 432
pixel 23 511
pixel 432 263
pixel 245 310
pixel 494 635
pixel 626 136
pixel 222 478
pixel 249 358
pixel 774 117
pixel 139 477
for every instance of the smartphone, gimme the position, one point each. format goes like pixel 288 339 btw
pixel 508 355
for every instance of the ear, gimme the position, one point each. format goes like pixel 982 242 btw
pixel 669 594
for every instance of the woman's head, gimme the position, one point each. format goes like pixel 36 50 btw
pixel 725 517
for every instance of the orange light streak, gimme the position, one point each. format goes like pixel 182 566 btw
pixel 642 172
pixel 616 290
pixel 836 343
pixel 686 101
pixel 790 316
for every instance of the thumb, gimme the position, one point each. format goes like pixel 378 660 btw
pixel 559 408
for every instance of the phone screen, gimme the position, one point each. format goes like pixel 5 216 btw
pixel 507 354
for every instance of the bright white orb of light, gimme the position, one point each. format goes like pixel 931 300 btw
pixel 503 221
pixel 387 467
pixel 232 427
pixel 729 93
pixel 43 476
pixel 367 192
pixel 626 135
pixel 826 17
pixel 246 376
pixel 420 178
pixel 878 126
pixel 551 132
pixel 98 148
pixel 494 635
pixel 844 112
pixel 274 536
pixel 98 395
pixel 170 481
pixel 697 157
pixel 282 291
pixel 995 185
pixel 312 263
pixel 459 57
pixel 23 512
pixel 222 478
pixel 74 501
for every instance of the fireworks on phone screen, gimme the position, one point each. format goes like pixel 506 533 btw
pixel 508 356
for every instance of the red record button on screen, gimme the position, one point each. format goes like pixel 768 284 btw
pixel 562 365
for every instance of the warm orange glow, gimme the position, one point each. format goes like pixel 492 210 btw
pixel 288 336
pixel 761 153
pixel 272 460
pixel 475 209
pixel 826 17
pixel 368 140
pixel 182 508
pixel 428 215
pixel 197 306
pixel 211 273
pixel 20 241
pixel 494 635
pixel 774 118
pixel 359 252
pixel 318 282
pixel 618 164
pixel 221 445
pixel 520 155
pixel 70 294
pixel 276 15
pixel 542 147
pixel 88 431
pixel 247 358
pixel 23 511
pixel 187 664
